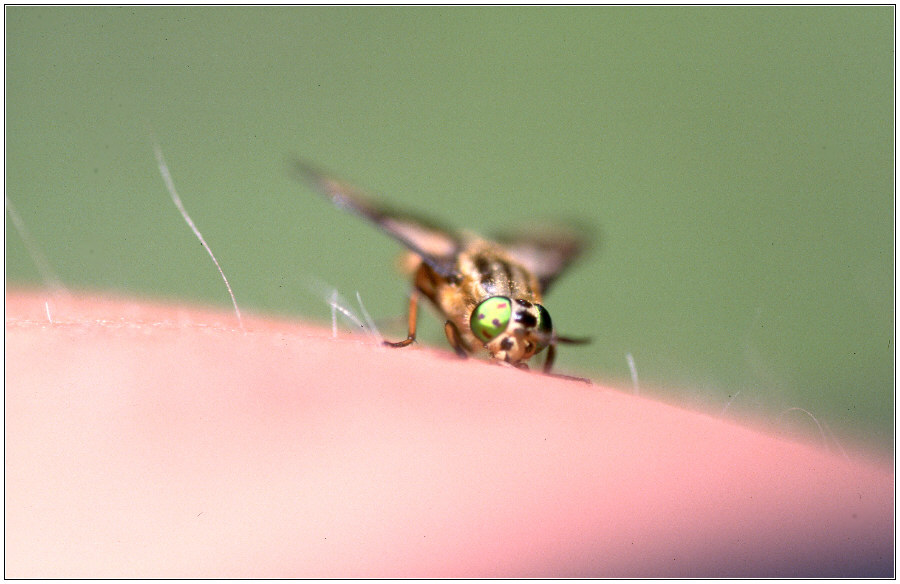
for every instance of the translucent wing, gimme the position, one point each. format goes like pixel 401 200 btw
pixel 433 244
pixel 545 251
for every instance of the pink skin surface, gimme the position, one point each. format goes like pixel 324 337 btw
pixel 145 440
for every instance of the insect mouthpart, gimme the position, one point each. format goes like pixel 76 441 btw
pixel 511 330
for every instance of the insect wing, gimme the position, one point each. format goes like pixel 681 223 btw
pixel 545 252
pixel 433 244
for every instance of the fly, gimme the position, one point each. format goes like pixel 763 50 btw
pixel 489 292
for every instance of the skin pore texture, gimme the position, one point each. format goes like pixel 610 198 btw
pixel 151 440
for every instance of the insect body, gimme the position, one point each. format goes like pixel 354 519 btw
pixel 490 293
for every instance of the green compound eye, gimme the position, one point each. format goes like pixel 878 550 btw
pixel 491 317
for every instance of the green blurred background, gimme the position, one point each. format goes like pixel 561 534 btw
pixel 736 164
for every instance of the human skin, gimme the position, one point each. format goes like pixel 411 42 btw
pixel 155 441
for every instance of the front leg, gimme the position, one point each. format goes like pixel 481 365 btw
pixel 456 340
pixel 551 357
pixel 548 364
pixel 413 318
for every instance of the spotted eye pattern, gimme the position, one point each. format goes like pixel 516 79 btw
pixel 491 317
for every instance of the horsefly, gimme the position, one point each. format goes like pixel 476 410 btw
pixel 490 292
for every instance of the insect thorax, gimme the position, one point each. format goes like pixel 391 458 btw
pixel 487 271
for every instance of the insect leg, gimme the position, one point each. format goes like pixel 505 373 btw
pixel 573 341
pixel 551 356
pixel 413 316
pixel 455 339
